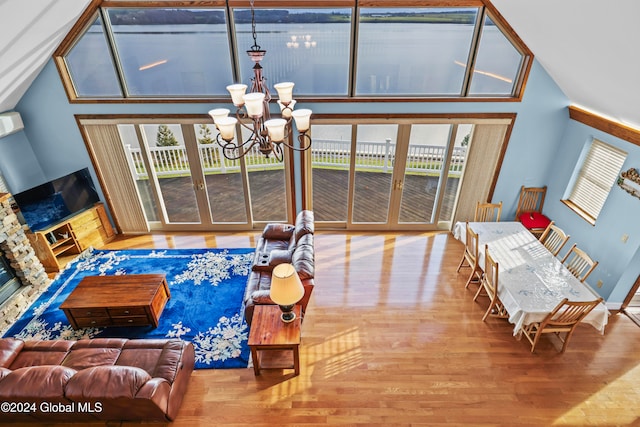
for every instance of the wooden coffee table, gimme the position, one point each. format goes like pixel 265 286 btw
pixel 128 300
pixel 274 344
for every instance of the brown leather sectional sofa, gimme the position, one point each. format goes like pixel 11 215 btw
pixel 95 379
pixel 282 243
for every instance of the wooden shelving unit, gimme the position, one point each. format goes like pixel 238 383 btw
pixel 71 237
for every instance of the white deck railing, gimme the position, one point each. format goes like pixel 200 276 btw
pixel 381 156
pixel 324 153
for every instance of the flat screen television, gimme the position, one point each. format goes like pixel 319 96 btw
pixel 57 200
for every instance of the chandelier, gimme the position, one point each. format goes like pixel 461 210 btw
pixel 252 112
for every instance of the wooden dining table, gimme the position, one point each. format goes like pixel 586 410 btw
pixel 531 281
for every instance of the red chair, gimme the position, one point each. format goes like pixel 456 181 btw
pixel 529 210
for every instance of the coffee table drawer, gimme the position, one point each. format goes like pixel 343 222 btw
pixel 127 311
pixel 88 312
pixel 92 322
pixel 131 321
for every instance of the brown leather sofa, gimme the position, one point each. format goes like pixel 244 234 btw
pixel 95 379
pixel 282 243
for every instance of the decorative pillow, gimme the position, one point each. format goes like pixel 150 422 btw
pixel 278 231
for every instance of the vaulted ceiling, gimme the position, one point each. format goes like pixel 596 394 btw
pixel 588 47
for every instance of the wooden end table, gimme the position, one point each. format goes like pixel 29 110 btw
pixel 270 339
pixel 127 300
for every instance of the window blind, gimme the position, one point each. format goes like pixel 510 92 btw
pixel 110 162
pixel 596 177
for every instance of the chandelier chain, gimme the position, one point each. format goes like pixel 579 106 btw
pixel 253 27
pixel 269 136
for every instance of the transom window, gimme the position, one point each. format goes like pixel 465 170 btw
pixel 194 53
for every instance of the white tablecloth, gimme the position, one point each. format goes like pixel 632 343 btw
pixel 531 280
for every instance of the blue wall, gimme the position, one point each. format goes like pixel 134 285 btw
pixel 618 265
pixel 543 149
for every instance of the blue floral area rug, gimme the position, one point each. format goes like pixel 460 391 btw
pixel 206 306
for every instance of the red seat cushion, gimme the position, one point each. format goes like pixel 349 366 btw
pixel 534 220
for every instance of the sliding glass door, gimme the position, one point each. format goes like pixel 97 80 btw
pixel 392 176
pixel 184 181
pixel 380 173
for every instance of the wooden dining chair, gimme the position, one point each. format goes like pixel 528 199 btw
pixel 489 287
pixel 470 256
pixel 579 263
pixel 529 209
pixel 562 321
pixel 554 238
pixel 488 212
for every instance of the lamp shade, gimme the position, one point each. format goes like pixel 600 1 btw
pixel 286 287
pixel 218 113
pixel 285 91
pixel 237 92
pixel 227 127
pixel 275 127
pixel 286 110
pixel 253 103
pixel 302 118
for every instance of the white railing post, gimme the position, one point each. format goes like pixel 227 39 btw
pixel 221 158
pixel 131 162
pixel 387 150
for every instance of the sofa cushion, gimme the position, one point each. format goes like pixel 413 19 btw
pixel 101 343
pixel 43 382
pixel 84 358
pixel 279 257
pixel 106 382
pixel 4 372
pixel 275 231
pixel 303 257
pixel 262 297
pixel 36 353
pixel 169 362
pixel 9 350
pixel 146 354
pixel 304 224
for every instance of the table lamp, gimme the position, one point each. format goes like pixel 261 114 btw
pixel 286 290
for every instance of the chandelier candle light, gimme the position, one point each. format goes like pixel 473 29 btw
pixel 269 134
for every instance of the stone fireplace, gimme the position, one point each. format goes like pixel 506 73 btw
pixel 21 257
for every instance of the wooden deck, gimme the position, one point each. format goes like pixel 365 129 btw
pixel 330 189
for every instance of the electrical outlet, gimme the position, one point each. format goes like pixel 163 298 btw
pixel 599 284
pixel 624 238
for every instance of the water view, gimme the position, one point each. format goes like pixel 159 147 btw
pixel 396 58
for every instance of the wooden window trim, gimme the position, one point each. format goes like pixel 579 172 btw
pixel 89 14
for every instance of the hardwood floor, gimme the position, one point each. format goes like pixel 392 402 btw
pixel 393 338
